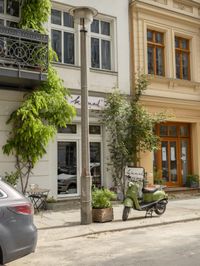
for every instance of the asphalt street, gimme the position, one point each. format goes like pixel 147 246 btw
pixel 175 245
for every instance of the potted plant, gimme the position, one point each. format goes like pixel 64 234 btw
pixel 192 181
pixel 102 210
pixel 51 203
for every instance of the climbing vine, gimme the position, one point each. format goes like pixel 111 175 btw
pixel 34 14
pixel 45 109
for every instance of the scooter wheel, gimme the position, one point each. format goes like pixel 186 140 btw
pixel 125 214
pixel 160 208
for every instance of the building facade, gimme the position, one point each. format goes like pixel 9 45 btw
pixel 108 54
pixel 165 44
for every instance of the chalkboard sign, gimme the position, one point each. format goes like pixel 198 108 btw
pixel 134 173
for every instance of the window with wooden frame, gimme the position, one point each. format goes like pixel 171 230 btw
pixel 172 162
pixel 182 49
pixel 155 50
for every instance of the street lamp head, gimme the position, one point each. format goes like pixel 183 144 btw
pixel 83 15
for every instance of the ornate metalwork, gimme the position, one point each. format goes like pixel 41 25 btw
pixel 23 49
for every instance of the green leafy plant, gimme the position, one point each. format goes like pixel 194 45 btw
pixel 34 14
pixel 11 178
pixel 192 180
pixel 157 176
pixel 130 128
pixel 51 200
pixel 44 110
pixel 101 198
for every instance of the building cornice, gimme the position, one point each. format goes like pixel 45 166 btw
pixel 164 11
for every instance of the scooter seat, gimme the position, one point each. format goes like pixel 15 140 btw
pixel 149 190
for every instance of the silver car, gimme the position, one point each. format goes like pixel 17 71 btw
pixel 18 235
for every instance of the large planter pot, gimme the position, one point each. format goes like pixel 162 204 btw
pixel 102 215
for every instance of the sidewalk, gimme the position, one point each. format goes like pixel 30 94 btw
pixel 177 211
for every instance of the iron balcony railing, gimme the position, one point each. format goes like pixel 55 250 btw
pixel 23 49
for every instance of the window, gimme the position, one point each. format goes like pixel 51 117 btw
pixel 94 130
pixel 9 13
pixel 101 44
pixel 62 36
pixel 155 47
pixel 69 129
pixel 182 58
pixel 95 163
pixel 67 167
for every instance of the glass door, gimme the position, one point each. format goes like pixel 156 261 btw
pixel 172 162
pixel 169 162
pixel 67 167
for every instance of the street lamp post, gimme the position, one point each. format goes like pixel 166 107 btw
pixel 84 17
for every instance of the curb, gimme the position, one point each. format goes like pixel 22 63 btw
pixel 120 229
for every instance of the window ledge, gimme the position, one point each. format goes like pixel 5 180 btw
pixel 62 65
pixel 174 82
pixel 94 70
pixel 103 71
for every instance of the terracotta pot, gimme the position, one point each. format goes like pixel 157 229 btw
pixel 102 215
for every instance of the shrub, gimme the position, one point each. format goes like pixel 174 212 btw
pixel 101 198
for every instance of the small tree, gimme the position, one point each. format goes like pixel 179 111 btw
pixel 130 127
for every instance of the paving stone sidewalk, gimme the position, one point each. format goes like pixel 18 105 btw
pixel 177 211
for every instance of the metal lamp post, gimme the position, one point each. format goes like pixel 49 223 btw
pixel 84 17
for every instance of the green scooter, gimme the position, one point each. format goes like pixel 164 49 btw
pixel 144 199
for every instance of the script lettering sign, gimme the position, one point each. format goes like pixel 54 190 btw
pixel 134 173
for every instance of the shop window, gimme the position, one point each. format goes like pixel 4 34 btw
pixel 182 50
pixel 67 167
pixel 62 36
pixel 95 163
pixel 101 44
pixel 155 50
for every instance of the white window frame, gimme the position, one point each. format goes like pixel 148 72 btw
pixel 98 139
pixel 5 17
pixel 106 38
pixel 76 137
pixel 63 29
pixel 69 137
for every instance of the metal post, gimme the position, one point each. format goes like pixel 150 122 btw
pixel 86 209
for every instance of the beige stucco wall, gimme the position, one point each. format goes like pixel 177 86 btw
pixel 178 97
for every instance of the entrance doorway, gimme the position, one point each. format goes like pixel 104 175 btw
pixel 172 162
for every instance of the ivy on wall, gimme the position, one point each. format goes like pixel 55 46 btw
pixel 34 14
pixel 45 109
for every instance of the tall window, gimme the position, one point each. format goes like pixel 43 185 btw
pixel 9 13
pixel 101 44
pixel 155 43
pixel 62 36
pixel 182 58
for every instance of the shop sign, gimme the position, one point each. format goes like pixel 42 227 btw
pixel 94 103
pixel 134 173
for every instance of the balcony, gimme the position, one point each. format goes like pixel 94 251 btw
pixel 23 58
